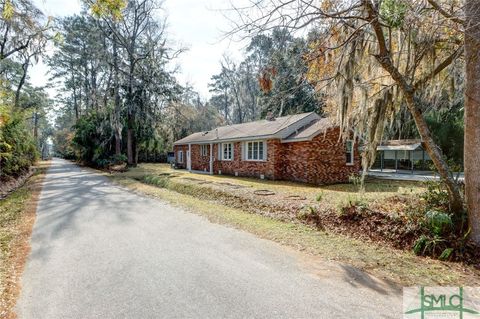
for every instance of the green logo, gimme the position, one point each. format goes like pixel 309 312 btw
pixel 442 303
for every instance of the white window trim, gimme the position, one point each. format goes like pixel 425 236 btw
pixel 180 156
pixel 223 152
pixel 245 157
pixel 204 150
pixel 352 158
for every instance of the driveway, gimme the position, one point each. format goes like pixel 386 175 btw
pixel 100 251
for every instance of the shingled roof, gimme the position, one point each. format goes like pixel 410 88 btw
pixel 284 127
pixel 311 130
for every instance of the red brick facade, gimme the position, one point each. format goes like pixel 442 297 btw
pixel 319 161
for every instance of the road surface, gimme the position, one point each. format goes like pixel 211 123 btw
pixel 100 251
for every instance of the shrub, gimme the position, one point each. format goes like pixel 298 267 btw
pixel 436 196
pixel 439 223
pixel 93 140
pixel 306 212
pixel 356 180
pixel 350 205
pixel 17 146
pixel 118 159
pixel 63 144
pixel 310 215
pixel 430 246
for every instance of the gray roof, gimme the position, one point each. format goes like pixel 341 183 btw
pixel 280 127
pixel 311 130
pixel 400 145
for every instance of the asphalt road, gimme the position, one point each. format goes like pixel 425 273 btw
pixel 99 251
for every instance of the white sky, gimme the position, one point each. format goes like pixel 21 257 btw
pixel 195 24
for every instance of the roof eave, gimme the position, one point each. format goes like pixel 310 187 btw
pixel 227 140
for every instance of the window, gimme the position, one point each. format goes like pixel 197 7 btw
pixel 227 154
pixel 204 150
pixel 255 151
pixel 349 152
pixel 180 156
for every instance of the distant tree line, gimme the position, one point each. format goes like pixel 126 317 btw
pixel 271 79
pixel 120 101
pixel 24 129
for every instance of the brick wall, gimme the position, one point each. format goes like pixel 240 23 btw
pixel 243 167
pixel 183 148
pixel 199 162
pixel 320 161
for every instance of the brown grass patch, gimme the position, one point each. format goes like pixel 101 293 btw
pixel 18 212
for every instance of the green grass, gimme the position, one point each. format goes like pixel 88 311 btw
pixel 402 267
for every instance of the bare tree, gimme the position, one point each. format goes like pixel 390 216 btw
pixel 361 34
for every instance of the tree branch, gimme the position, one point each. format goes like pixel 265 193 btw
pixel 439 68
pixel 444 13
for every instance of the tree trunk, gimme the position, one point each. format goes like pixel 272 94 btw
pixel 435 153
pixel 22 81
pixel 131 142
pixel 472 116
pixel 35 126
pixel 118 142
pixel 385 60
pixel 130 154
pixel 455 196
pixel 117 111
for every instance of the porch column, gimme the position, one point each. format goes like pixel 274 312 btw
pixel 396 162
pixel 423 159
pixel 189 158
pixel 211 158
pixel 411 158
pixel 382 158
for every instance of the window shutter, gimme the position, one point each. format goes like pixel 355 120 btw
pixel 220 146
pixel 265 150
pixel 243 150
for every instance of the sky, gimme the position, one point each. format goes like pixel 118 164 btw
pixel 197 25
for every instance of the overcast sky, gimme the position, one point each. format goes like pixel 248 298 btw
pixel 194 24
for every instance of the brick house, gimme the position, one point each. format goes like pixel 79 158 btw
pixel 302 147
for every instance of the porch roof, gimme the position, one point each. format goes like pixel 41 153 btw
pixel 400 145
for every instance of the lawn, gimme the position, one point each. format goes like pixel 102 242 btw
pixel 379 242
pixel 17 215
pixel 399 266
pixel 376 190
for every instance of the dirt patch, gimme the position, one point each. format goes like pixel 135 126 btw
pixel 19 245
pixel 10 184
